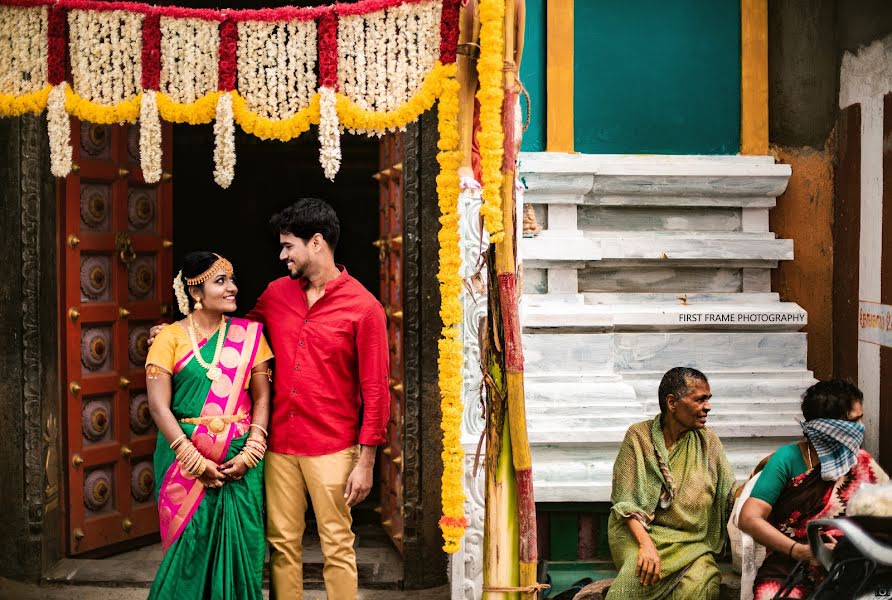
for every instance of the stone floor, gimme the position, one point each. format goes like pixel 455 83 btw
pixel 378 563
pixel 128 575
pixel 10 590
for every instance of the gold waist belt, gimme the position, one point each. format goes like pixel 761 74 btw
pixel 216 425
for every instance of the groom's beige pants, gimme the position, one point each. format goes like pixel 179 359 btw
pixel 288 479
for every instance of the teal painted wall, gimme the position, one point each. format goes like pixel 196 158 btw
pixel 532 76
pixel 657 77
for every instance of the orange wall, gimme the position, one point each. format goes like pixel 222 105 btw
pixel 804 213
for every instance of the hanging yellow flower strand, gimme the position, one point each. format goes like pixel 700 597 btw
pixel 490 95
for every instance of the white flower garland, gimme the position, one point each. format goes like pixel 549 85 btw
pixel 150 138
pixel 23 47
pixel 329 133
pixel 106 50
pixel 179 292
pixel 391 41
pixel 224 142
pixel 189 50
pixel 276 66
pixel 384 56
pixel 429 35
pixel 414 75
pixel 59 129
pixel 376 57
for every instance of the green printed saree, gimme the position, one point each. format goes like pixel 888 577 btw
pixel 684 505
pixel 213 539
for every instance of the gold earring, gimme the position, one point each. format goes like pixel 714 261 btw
pixel 198 305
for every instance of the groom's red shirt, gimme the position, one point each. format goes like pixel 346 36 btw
pixel 331 387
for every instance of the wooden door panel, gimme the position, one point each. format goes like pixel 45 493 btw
pixel 390 205
pixel 116 231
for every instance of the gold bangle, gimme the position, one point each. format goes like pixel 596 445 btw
pixel 260 427
pixel 177 442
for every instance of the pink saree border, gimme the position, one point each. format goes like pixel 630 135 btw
pixel 180 494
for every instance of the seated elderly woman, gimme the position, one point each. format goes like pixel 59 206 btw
pixel 672 495
pixel 811 479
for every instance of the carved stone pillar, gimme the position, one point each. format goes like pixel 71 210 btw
pixel 466 568
pixel 29 394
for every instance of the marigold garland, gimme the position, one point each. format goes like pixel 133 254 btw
pixel 355 117
pixel 453 522
pixel 194 113
pixel 490 95
pixel 16 106
pixel 126 111
pixel 269 129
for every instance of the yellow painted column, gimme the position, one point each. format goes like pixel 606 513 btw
pixel 753 77
pixel 559 76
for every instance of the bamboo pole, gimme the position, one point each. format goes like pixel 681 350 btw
pixel 468 37
pixel 506 268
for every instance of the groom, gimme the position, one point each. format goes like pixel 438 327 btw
pixel 331 399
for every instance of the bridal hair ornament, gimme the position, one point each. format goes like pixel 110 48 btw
pixel 179 290
pixel 221 264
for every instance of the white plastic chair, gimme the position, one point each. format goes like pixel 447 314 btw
pixel 746 554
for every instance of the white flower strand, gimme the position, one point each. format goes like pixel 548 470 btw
pixel 59 130
pixel 346 57
pixel 413 68
pixel 390 48
pixel 150 138
pixel 224 142
pixel 329 133
pixel 189 50
pixel 276 63
pixel 361 98
pixel 179 292
pixel 376 70
pixel 105 49
pixel 23 47
pixel 308 50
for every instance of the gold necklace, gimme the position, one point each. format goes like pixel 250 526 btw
pixel 198 330
pixel 213 371
pixel 808 454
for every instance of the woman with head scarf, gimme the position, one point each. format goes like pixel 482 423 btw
pixel 811 479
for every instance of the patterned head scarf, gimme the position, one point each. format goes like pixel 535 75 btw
pixel 837 443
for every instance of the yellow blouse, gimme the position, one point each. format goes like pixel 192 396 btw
pixel 172 344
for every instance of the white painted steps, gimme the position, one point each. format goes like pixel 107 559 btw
pixel 645 263
pixel 663 316
pixel 670 247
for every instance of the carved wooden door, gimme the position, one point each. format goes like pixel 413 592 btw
pixel 116 265
pixel 390 247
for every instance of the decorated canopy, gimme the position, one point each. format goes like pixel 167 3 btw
pixel 367 67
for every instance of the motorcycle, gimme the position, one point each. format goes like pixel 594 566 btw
pixel 858 568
